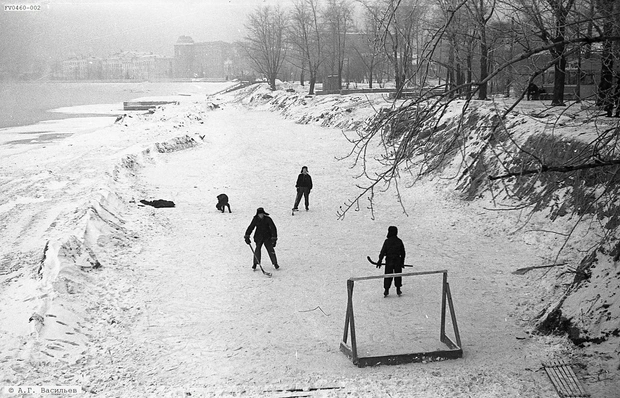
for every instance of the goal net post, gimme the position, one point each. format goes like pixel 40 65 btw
pixel 453 345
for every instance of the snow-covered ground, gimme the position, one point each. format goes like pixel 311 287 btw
pixel 175 309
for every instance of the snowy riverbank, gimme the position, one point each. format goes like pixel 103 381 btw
pixel 135 301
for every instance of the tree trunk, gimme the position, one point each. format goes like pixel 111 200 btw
pixel 607 65
pixel 397 79
pixel 558 51
pixel 470 65
pixel 450 70
pixel 302 73
pixel 272 82
pixel 588 53
pixel 559 76
pixel 312 84
pixel 459 77
pixel 578 82
pixel 484 67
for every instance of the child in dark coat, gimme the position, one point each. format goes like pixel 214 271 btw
pixel 266 234
pixel 394 252
pixel 304 186
pixel 222 202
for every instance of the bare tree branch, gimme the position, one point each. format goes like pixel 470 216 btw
pixel 560 169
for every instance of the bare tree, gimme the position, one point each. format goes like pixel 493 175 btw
pixel 482 11
pixel 337 18
pixel 551 20
pixel 399 27
pixel 370 50
pixel 306 36
pixel 458 42
pixel 609 11
pixel 265 41
pixel 415 140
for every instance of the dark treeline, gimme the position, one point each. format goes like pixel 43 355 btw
pixel 463 46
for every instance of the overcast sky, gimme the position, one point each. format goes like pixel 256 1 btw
pixel 99 27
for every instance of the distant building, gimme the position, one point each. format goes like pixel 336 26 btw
pixel 184 57
pixel 206 60
pixel 215 60
pixel 136 65
pixel 164 66
pixel 210 59
pixel 82 68
pixel 122 65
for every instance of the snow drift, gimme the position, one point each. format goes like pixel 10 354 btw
pixel 57 297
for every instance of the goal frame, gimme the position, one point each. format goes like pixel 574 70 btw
pixel 454 348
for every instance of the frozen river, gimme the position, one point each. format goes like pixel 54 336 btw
pixel 25 103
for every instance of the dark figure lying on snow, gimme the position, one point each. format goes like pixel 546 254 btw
pixel 222 202
pixel 158 203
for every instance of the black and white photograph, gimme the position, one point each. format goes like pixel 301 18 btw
pixel 310 198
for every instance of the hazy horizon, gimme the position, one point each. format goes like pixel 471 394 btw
pixel 101 27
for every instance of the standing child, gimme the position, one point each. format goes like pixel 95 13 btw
pixel 303 185
pixel 266 234
pixel 394 252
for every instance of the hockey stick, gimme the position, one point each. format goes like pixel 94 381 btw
pixel 376 263
pixel 258 262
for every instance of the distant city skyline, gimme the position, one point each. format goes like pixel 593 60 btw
pixel 218 60
pixel 62 29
